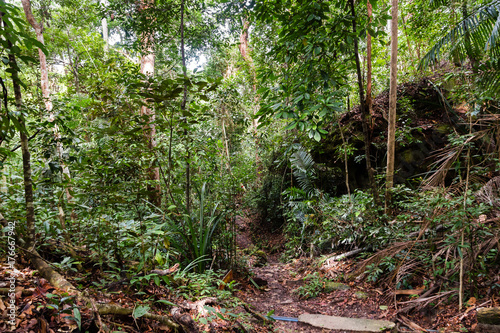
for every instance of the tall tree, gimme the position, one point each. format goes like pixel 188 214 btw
pixel 392 102
pixel 147 68
pixel 44 82
pixel 369 62
pixel 183 108
pixel 105 32
pixel 364 112
pixel 28 183
pixel 245 54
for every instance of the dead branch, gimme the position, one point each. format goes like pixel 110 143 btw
pixel 163 272
pixel 257 315
pixel 424 301
pixel 199 306
pixel 328 260
pixel 402 319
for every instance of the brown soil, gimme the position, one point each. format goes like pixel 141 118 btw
pixel 277 294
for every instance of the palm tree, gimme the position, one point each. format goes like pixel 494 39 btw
pixel 477 34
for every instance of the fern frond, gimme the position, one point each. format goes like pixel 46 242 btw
pixel 303 161
pixel 303 170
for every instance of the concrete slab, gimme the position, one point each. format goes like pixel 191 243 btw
pixel 348 324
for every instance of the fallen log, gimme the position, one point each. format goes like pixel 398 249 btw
pixel 490 316
pixel 485 328
pixel 328 260
pixel 105 309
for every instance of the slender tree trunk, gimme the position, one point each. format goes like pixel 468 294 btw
pixel 28 185
pixel 369 64
pixel 244 51
pixel 364 113
pixel 44 81
pixel 104 25
pixel 391 144
pixel 346 162
pixel 4 171
pixel 183 108
pixel 412 55
pixel 470 49
pixel 147 68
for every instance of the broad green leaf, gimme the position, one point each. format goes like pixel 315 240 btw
pixel 140 311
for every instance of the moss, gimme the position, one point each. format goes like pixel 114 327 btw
pixel 329 286
pixel 408 156
pixel 361 295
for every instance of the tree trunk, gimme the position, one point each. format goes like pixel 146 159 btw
pixel 183 108
pixel 391 144
pixel 44 81
pixel 248 59
pixel 470 49
pixel 369 64
pixel 104 25
pixel 364 114
pixel 28 185
pixel 147 68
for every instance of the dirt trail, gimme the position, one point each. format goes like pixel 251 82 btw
pixel 279 280
pixel 277 295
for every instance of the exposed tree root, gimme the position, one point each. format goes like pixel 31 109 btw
pixel 105 309
pixel 24 292
pixel 54 278
pixel 257 315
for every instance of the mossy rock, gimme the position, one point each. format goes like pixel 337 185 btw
pixel 330 285
pixel 261 257
pixel 361 295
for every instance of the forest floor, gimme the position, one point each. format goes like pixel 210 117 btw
pixel 267 285
pixel 283 291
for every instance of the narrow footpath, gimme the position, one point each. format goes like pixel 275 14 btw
pixel 273 290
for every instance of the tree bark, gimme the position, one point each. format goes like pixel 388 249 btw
pixel 364 114
pixel 244 51
pixel 369 64
pixel 28 185
pixel 44 82
pixel 183 108
pixel 488 316
pixel 104 25
pixel 147 68
pixel 391 144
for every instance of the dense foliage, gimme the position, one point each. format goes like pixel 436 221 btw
pixel 253 105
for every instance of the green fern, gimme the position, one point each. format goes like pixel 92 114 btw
pixel 303 170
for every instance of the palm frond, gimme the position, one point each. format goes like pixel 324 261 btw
pixel 481 28
pixel 446 157
pixel 438 3
pixel 489 79
pixel 492 41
